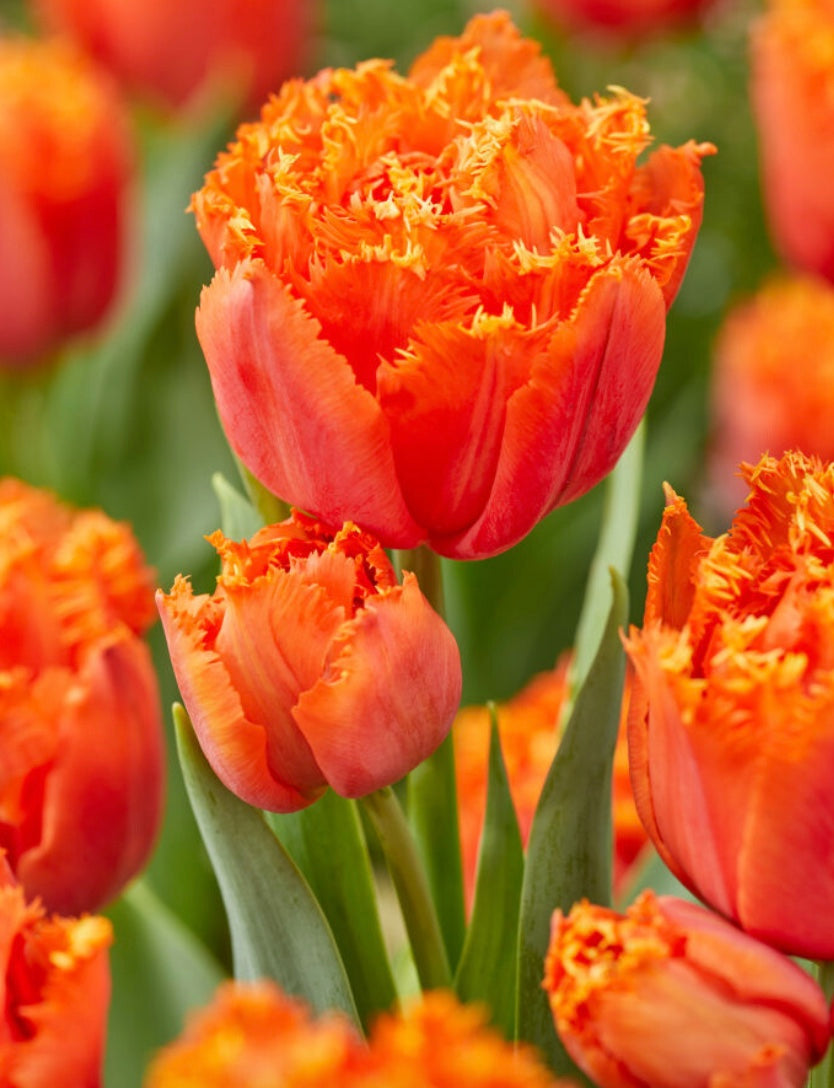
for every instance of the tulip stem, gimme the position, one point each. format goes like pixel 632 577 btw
pixel 823 1075
pixel 432 793
pixel 388 820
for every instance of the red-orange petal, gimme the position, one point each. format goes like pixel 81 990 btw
pixel 292 408
pixel 392 685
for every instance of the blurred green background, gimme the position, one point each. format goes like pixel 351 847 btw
pixel 127 422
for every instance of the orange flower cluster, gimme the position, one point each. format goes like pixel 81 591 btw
pixel 440 300
pixel 310 665
pixel 773 380
pixel 65 160
pixel 173 53
pixel 621 16
pixel 254 1034
pixel 82 763
pixel 792 57
pixel 528 725
pixel 669 995
pixel 55 990
pixel 731 729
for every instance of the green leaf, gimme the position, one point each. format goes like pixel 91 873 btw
pixel 277 927
pixel 238 517
pixel 487 968
pixel 328 844
pixel 160 971
pixel 569 850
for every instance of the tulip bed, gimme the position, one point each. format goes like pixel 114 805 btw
pixel 455 386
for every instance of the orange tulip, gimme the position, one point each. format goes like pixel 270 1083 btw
pixel 622 16
pixel 310 666
pixel 81 758
pixel 528 725
pixel 773 380
pixel 253 1034
pixel 731 729
pixel 65 160
pixel 793 98
pixel 671 996
pixel 55 994
pixel 175 53
pixel 440 300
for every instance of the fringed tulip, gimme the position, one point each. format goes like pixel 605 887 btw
pixel 671 996
pixel 731 727
pixel 81 755
pixel 440 300
pixel 792 89
pixel 253 1035
pixel 623 17
pixel 528 727
pixel 55 994
pixel 310 665
pixel 65 161
pixel 175 54
pixel 772 381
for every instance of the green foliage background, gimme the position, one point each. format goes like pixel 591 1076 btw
pixel 127 422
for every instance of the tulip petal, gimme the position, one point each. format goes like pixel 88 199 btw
pixel 394 676
pixel 104 788
pixel 672 563
pixel 235 747
pixel 292 408
pixel 568 425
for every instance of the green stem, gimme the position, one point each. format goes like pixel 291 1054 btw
pixel 822 1076
pixel 432 792
pixel 389 822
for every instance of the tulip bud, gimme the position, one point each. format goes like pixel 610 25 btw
pixel 55 995
pixel 672 996
pixel 310 666
pixel 81 754
pixel 65 160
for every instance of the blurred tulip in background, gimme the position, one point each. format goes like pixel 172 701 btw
pixel 55 990
pixel 440 301
pixel 624 17
pixel 254 1034
pixel 792 90
pixel 81 748
pixel 672 996
pixel 772 381
pixel 172 54
pixel 731 725
pixel 310 665
pixel 65 164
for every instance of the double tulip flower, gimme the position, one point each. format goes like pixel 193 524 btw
pixel 440 299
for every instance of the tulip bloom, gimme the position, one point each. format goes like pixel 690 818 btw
pixel 671 996
pixel 253 1034
pixel 528 726
pixel 773 380
pixel 440 300
pixel 65 160
pixel 174 53
pixel 55 994
pixel 81 754
pixel 622 16
pixel 731 728
pixel 310 666
pixel 792 89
